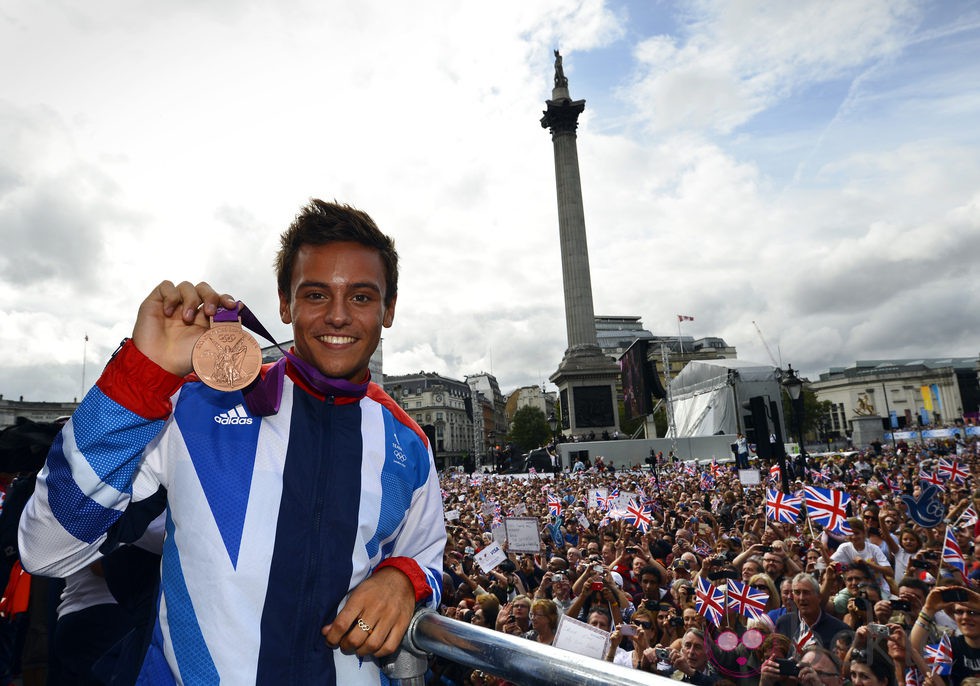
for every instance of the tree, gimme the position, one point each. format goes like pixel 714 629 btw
pixel 530 428
pixel 813 410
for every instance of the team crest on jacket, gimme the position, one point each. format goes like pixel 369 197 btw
pixel 397 452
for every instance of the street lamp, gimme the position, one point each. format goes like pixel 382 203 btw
pixel 794 386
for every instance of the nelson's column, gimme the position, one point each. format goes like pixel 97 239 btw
pixel 586 378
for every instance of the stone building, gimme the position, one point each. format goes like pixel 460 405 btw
pixel 443 407
pixel 904 393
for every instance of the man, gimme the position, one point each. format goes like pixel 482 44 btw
pixel 818 667
pixel 741 452
pixel 690 663
pixel 855 575
pixel 966 612
pixel 787 604
pixel 809 623
pixel 300 536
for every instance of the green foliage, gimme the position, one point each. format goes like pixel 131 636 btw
pixel 813 410
pixel 530 428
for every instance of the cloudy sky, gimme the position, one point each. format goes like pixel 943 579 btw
pixel 811 166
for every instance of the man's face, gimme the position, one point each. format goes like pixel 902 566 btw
pixel 967 618
pixel 852 579
pixel 336 307
pixel 806 600
pixel 599 620
pixel 823 666
pixel 786 593
pixel 608 553
pixel 914 596
pixel 692 648
pixel 649 584
pixel 773 564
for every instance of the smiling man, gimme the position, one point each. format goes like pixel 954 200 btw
pixel 304 514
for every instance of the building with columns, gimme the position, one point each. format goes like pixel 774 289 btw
pixel 905 393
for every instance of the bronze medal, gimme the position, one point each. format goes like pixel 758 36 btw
pixel 226 357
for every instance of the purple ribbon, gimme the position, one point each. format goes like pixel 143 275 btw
pixel 265 395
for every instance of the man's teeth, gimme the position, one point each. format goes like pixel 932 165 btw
pixel 336 339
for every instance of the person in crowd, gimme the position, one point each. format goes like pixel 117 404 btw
pixel 544 621
pixel 809 624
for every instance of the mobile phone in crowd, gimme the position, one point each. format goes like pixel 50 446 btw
pixel 954 595
pixel 788 667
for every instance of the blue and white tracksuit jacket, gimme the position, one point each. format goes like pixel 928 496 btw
pixel 270 521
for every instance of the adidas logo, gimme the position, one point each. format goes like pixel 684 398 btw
pixel 236 415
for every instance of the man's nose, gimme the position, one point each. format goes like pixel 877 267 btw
pixel 338 312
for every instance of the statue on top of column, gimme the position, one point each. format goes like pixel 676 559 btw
pixel 560 80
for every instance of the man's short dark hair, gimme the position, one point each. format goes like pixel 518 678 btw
pixel 918 584
pixel 650 569
pixel 319 223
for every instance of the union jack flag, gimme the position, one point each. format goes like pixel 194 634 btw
pixel 829 508
pixel 952 555
pixel 746 600
pixel 781 507
pixel 689 469
pixel 602 500
pixel 932 478
pixel 640 517
pixel 554 506
pixel 894 488
pixel 968 518
pixel 775 473
pixel 707 482
pixel 709 601
pixel 613 495
pixel 940 656
pixel 481 521
pixel 913 677
pixel 953 470
pixel 818 477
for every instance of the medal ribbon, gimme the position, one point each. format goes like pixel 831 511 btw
pixel 264 396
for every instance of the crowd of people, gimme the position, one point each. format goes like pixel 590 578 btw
pixel 693 577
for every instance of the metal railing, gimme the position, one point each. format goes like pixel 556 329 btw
pixel 516 659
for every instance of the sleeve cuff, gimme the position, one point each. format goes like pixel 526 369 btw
pixel 413 571
pixel 138 383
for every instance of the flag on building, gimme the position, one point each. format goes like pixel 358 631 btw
pixel 684 318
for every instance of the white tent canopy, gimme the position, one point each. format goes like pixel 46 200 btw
pixel 707 394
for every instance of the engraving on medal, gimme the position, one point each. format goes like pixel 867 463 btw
pixel 226 357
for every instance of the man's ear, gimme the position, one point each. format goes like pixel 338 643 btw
pixel 284 313
pixel 389 313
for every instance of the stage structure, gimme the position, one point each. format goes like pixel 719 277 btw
pixel 709 397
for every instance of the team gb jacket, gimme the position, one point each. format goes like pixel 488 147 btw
pixel 270 521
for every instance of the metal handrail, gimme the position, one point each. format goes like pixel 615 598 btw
pixel 516 659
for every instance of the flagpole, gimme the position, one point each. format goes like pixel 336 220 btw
pixel 680 342
pixel 84 355
pixel 941 553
